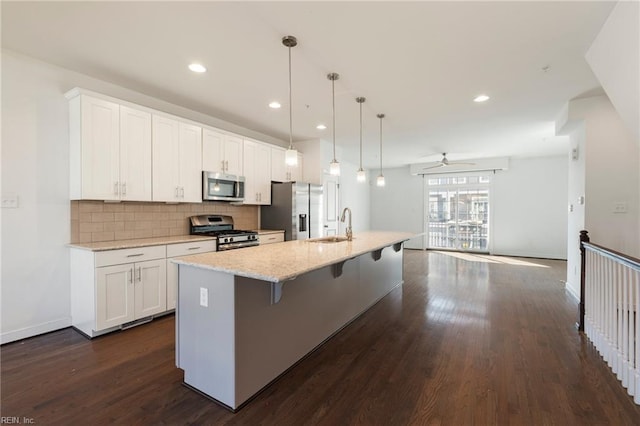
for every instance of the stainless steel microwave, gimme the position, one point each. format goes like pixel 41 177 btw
pixel 222 187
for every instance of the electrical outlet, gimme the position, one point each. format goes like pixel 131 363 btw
pixel 10 201
pixel 204 297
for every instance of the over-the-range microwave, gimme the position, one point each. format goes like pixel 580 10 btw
pixel 222 187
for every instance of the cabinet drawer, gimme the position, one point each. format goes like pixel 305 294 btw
pixel 117 257
pixel 185 249
pixel 272 238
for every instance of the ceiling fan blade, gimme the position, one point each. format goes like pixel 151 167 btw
pixel 456 163
pixel 435 166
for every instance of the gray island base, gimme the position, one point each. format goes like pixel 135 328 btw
pixel 235 334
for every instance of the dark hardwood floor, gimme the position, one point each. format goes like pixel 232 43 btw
pixel 475 341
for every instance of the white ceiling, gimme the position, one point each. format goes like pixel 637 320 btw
pixel 420 63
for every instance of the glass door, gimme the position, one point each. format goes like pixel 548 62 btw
pixel 458 213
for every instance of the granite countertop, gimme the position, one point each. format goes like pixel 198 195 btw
pixel 139 242
pixel 268 231
pixel 285 261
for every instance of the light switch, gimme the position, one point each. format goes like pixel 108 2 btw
pixel 620 207
pixel 10 201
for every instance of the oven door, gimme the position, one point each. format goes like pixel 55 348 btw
pixel 222 187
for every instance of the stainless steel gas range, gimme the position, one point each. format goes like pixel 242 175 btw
pixel 222 227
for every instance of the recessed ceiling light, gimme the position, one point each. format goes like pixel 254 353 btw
pixel 197 67
pixel 321 127
pixel 481 98
pixel 274 105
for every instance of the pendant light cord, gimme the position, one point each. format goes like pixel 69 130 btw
pixel 333 97
pixel 381 117
pixel 361 134
pixel 290 106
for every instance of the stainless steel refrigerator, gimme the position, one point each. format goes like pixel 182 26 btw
pixel 295 207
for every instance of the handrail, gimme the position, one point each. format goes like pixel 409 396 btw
pixel 610 309
pixel 614 255
pixel 585 243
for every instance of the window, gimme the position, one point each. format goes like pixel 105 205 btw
pixel 458 212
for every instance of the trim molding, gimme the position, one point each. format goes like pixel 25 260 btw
pixel 45 327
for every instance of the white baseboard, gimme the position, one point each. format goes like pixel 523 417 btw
pixel 571 291
pixel 23 333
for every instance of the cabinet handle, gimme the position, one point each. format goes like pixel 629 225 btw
pixel 115 188
pixel 222 161
pixel 226 165
pixel 177 189
pixel 130 276
pixel 124 188
pixel 193 248
pixel 182 192
pixel 139 273
pixel 135 255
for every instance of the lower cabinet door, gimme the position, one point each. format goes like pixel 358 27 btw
pixel 115 294
pixel 150 287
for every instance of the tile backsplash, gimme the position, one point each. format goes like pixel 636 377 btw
pixel 93 221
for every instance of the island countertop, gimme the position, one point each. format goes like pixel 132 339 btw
pixel 284 261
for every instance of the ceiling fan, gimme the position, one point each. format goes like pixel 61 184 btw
pixel 445 162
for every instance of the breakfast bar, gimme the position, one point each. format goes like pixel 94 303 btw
pixel 245 316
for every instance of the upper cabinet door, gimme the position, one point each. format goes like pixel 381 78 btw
pixel 95 125
pixel 190 157
pixel 278 166
pixel 135 154
pixel 221 152
pixel 233 149
pixel 212 151
pixel 166 166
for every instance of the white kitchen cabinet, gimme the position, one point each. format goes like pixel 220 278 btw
pixel 177 160
pixel 112 288
pixel 129 292
pixel 280 171
pixel 182 249
pixel 110 150
pixel 221 152
pixel 271 237
pixel 114 296
pixel 135 154
pixel 257 172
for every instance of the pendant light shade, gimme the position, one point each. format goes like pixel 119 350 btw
pixel 380 180
pixel 334 166
pixel 361 175
pixel 290 155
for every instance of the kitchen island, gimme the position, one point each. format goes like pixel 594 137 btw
pixel 245 316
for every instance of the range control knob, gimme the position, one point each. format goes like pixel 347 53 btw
pixel 231 239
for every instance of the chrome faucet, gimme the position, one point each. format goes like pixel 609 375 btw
pixel 349 231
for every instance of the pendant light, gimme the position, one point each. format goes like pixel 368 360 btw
pixel 361 175
pixel 290 155
pixel 380 180
pixel 334 166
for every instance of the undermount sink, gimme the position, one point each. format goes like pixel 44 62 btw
pixel 331 239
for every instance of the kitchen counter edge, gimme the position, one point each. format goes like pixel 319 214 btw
pixel 245 262
pixel 138 242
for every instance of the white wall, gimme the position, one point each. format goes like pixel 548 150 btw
pixel 317 155
pixel 539 184
pixel 35 293
pixel 607 172
pixel 614 58
pixel 529 208
pixel 399 205
pixel 354 195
